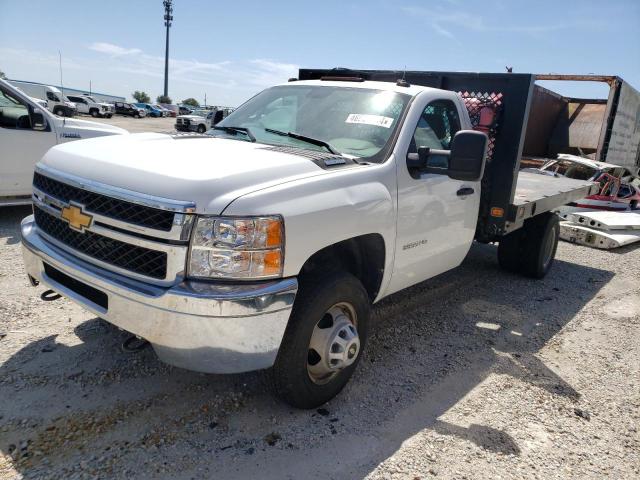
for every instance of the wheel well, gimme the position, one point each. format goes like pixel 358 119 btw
pixel 361 256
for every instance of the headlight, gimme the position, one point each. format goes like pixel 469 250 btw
pixel 237 247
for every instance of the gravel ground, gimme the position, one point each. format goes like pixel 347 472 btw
pixel 474 374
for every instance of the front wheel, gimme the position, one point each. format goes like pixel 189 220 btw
pixel 202 129
pixel 94 113
pixel 323 342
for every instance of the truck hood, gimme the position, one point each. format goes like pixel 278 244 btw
pixel 73 129
pixel 212 172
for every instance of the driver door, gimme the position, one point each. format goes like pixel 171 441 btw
pixel 20 146
pixel 437 215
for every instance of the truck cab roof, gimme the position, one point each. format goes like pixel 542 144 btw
pixel 411 90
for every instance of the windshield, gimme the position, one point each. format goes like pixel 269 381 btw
pixel 90 98
pixel 200 113
pixel 354 121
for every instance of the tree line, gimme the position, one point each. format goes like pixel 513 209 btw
pixel 143 97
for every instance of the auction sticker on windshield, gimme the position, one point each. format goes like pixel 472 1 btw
pixel 377 120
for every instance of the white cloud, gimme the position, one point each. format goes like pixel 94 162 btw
pixel 111 49
pixel 445 22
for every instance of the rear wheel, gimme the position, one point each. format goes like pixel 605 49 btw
pixel 323 341
pixel 510 252
pixel 541 241
pixel 531 249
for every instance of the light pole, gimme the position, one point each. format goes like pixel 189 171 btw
pixel 168 17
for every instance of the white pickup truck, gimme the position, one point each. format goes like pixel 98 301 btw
pixel 265 242
pixel 27 131
pixel 89 106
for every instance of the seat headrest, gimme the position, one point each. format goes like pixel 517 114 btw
pixel 436 122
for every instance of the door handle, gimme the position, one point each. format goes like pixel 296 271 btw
pixel 465 191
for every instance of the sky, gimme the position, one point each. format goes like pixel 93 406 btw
pixel 232 50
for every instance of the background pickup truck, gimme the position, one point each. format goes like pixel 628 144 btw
pixel 87 105
pixel 268 242
pixel 200 120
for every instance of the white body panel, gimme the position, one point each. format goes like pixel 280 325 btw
pixel 22 148
pixel 607 220
pixel 597 238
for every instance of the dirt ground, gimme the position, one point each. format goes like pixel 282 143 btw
pixel 474 374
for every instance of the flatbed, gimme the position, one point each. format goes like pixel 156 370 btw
pixel 537 194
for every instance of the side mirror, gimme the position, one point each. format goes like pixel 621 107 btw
pixel 465 159
pixel 38 121
pixel 468 155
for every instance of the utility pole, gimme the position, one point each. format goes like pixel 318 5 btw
pixel 168 17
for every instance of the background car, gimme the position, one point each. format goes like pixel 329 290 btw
pixel 123 108
pixel 151 110
pixel 165 112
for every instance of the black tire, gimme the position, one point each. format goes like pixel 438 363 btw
pixel 137 115
pixel 94 112
pixel 108 115
pixel 58 111
pixel 541 235
pixel 202 129
pixel 633 205
pixel 510 251
pixel 291 380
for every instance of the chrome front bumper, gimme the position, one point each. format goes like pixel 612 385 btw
pixel 202 326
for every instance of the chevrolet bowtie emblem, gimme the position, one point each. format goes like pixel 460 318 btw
pixel 76 218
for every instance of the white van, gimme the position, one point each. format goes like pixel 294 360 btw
pixel 57 102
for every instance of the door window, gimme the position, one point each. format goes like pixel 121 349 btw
pixel 51 96
pixel 13 112
pixel 438 124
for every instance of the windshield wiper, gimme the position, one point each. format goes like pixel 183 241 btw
pixel 304 138
pixel 235 130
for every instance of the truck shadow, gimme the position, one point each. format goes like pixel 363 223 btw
pixel 72 402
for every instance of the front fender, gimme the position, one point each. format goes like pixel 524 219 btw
pixel 325 209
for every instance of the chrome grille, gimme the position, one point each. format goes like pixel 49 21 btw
pixel 140 260
pixel 105 205
pixel 115 239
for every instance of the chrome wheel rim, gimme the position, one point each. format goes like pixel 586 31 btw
pixel 334 343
